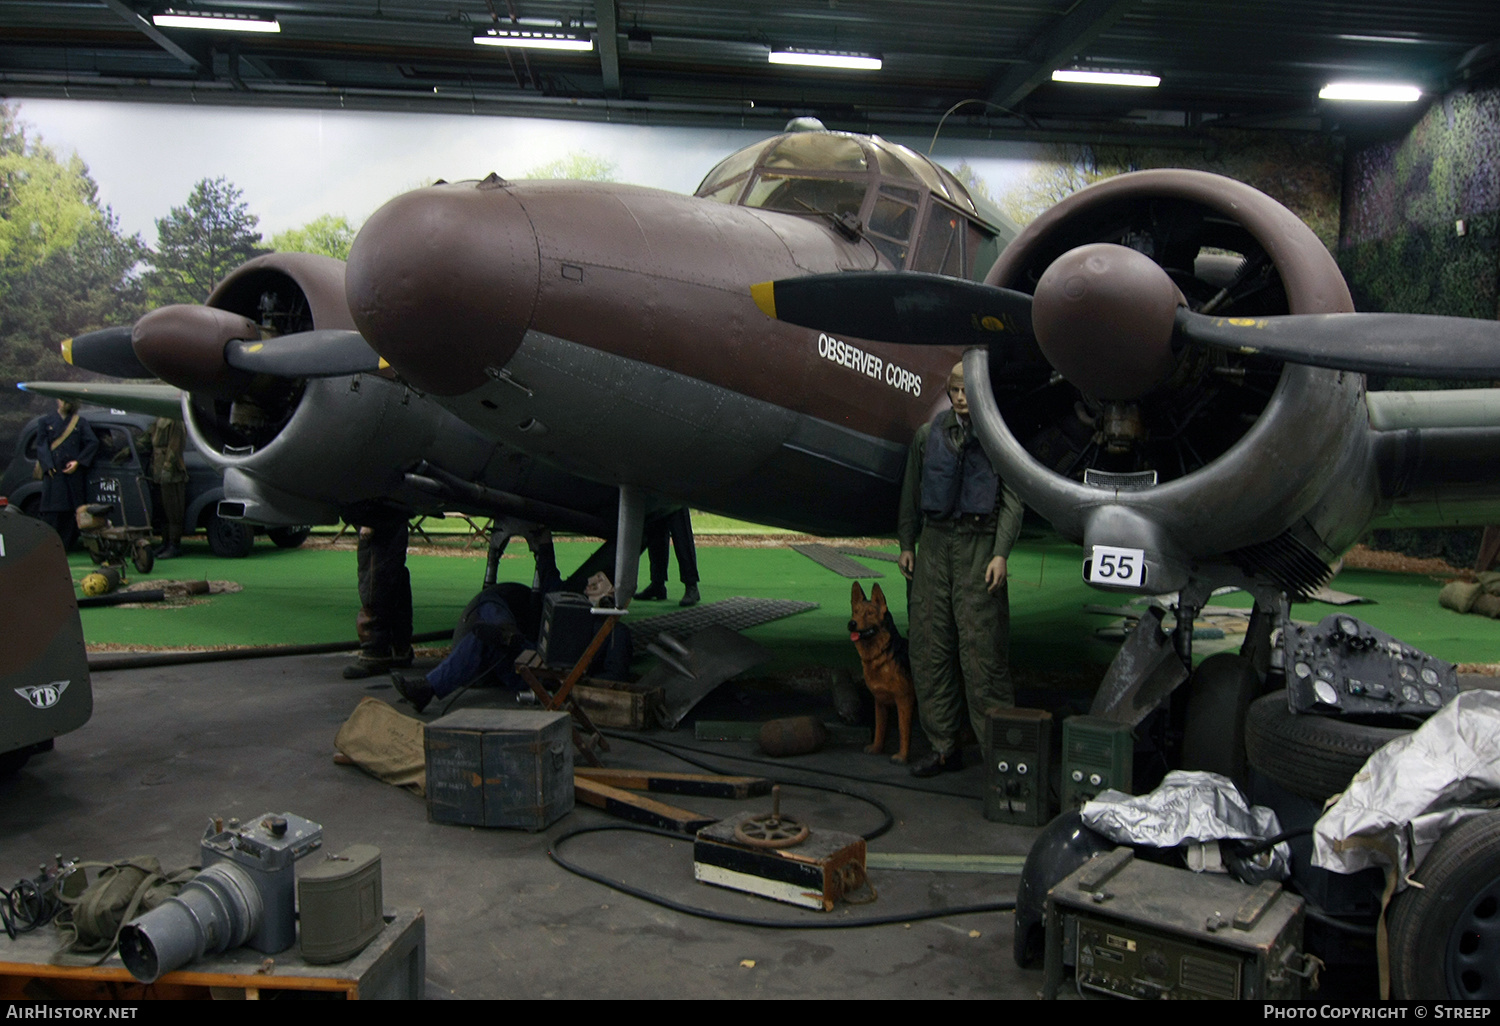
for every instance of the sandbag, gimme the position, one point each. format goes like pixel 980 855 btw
pixel 1487 605
pixel 1459 596
pixel 385 744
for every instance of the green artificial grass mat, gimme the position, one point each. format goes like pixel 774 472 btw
pixel 308 595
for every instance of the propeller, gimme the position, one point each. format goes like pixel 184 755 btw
pixel 324 353
pixel 909 307
pixel 206 349
pixel 107 351
pixel 1111 321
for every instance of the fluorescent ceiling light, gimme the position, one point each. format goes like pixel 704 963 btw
pixel 1117 78
pixel 814 59
pixel 1383 92
pixel 215 22
pixel 533 40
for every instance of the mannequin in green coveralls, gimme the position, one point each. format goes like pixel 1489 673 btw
pixel 960 613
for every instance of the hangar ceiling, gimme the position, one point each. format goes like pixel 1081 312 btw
pixel 1252 63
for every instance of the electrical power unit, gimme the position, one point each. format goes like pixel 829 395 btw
pixel 1097 754
pixel 1138 929
pixel 1017 766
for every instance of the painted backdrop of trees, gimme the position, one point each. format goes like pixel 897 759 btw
pixel 66 267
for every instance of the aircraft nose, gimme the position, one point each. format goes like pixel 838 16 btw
pixel 442 283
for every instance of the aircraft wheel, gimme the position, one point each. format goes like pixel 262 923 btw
pixel 229 538
pixel 1219 696
pixel 288 537
pixel 1445 935
pixel 1314 756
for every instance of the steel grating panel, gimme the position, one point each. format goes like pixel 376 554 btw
pixel 736 614
pixel 831 559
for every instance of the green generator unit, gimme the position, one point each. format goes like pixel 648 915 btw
pixel 1097 754
pixel 1017 766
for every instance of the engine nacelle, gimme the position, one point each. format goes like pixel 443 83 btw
pixel 302 451
pixel 1237 460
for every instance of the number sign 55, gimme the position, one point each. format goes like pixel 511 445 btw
pixel 1120 568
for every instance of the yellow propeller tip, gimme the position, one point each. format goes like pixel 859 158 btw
pixel 383 365
pixel 67 350
pixel 764 295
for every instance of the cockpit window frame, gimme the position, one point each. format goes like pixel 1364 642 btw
pixel 934 184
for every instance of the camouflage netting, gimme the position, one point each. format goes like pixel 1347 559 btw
pixel 1401 249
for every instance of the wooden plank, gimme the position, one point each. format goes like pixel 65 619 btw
pixel 701 785
pixel 924 862
pixel 26 970
pixel 581 667
pixel 637 808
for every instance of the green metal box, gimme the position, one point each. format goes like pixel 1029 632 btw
pixel 1097 755
pixel 499 768
pixel 1017 766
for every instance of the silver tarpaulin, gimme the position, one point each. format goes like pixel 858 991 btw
pixel 1415 789
pixel 1188 806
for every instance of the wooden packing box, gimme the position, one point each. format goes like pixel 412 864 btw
pixel 620 705
pixel 499 768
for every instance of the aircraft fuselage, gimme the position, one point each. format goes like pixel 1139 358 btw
pixel 609 330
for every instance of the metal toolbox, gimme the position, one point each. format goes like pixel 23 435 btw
pixel 499 768
pixel 1137 929
pixel 1017 766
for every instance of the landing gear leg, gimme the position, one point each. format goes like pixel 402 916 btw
pixel 629 528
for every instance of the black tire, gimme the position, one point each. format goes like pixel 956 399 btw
pixel 1314 756
pixel 288 537
pixel 229 539
pixel 1219 696
pixel 12 761
pixel 1445 935
pixel 142 557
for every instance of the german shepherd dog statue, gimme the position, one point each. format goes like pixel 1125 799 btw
pixel 883 652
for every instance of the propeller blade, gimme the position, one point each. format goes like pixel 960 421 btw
pixel 1405 345
pixel 326 353
pixel 106 351
pixel 907 307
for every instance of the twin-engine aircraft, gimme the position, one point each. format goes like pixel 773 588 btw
pixel 583 352
pixel 1166 366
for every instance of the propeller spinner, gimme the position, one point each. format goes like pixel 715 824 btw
pixel 206 349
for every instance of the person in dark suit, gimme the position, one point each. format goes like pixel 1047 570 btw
pixel 65 448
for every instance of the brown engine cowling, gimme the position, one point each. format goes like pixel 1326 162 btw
pixel 298 451
pixel 1231 460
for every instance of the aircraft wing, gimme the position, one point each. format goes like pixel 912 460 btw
pixel 1436 454
pixel 155 400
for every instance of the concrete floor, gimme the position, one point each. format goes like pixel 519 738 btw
pixel 169 747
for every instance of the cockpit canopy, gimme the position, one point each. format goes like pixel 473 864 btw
pixel 915 213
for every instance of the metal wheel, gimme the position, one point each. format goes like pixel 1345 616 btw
pixel 771 832
pixel 1445 935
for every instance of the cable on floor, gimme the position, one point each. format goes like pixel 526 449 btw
pixel 554 853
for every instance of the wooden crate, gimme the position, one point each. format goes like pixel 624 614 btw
pixel 618 705
pixel 394 966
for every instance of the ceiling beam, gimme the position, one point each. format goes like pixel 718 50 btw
pixel 1056 47
pixel 608 37
pixel 150 31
